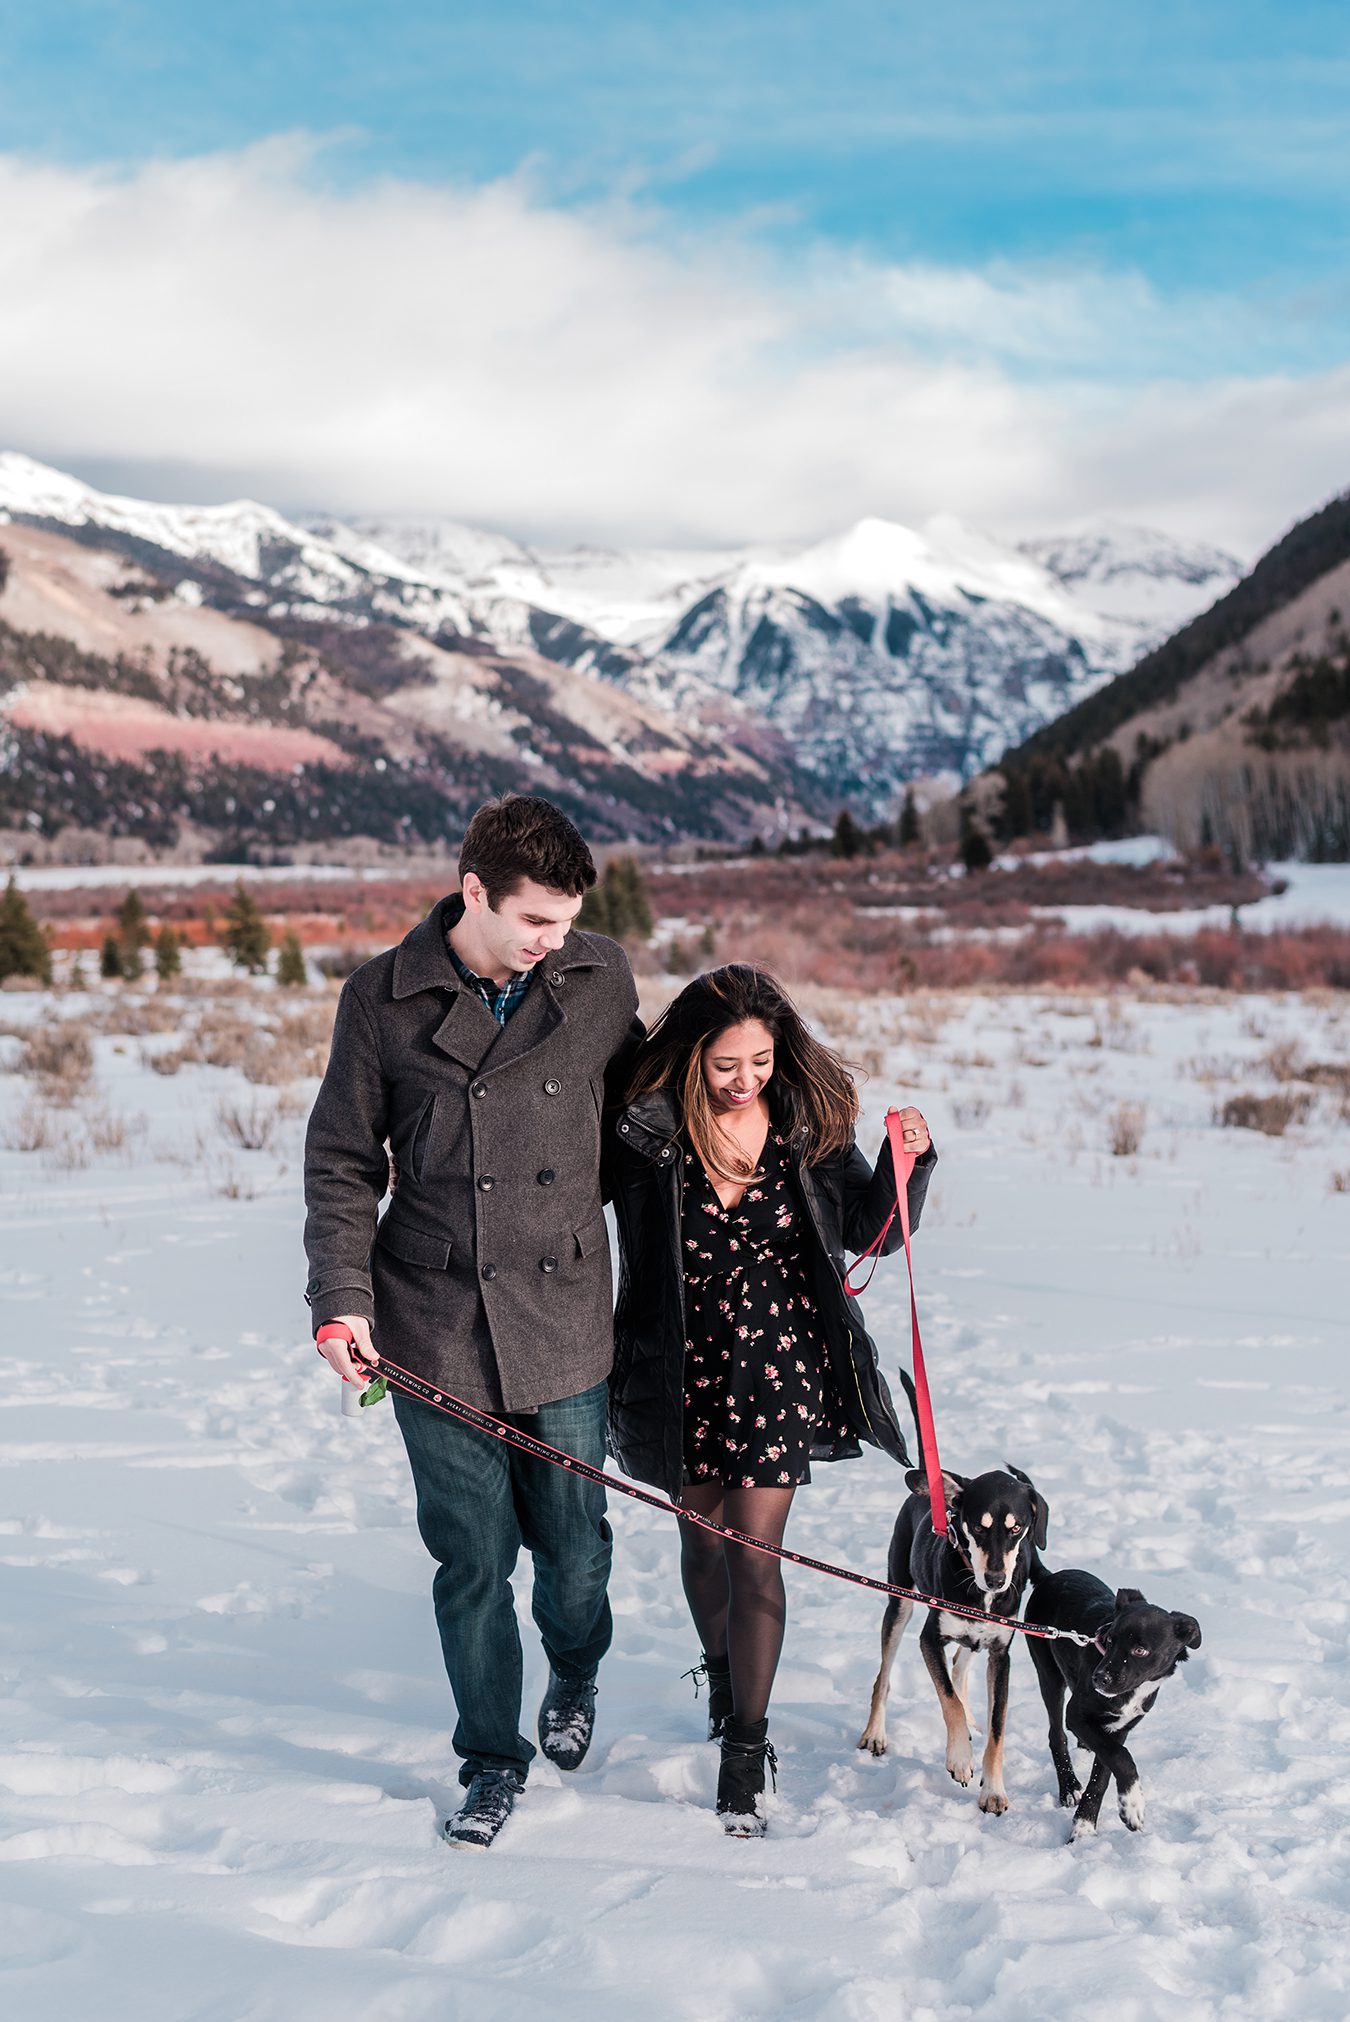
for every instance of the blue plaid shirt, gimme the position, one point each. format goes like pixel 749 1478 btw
pixel 501 998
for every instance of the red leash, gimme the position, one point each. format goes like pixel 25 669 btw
pixel 525 1442
pixel 903 1162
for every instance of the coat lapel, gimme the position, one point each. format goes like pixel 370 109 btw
pixel 535 1019
pixel 468 1030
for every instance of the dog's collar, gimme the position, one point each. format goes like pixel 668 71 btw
pixel 958 1547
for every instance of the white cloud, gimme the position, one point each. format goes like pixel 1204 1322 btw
pixel 598 375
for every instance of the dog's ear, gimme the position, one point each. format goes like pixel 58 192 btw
pixel 1129 1597
pixel 916 1481
pixel 1040 1508
pixel 1188 1630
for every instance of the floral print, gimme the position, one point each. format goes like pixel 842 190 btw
pixel 757 1384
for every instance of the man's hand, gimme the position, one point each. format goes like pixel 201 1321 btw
pixel 914 1132
pixel 337 1355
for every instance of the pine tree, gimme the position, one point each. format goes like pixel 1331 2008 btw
pixel 1017 813
pixel 617 911
pixel 245 936
pixel 23 945
pixel 976 851
pixel 133 934
pixel 707 942
pixel 626 897
pixel 910 828
pixel 77 980
pixel 847 840
pixel 291 971
pixel 110 958
pixel 594 914
pixel 168 953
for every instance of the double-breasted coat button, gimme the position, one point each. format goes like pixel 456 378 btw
pixel 546 1177
pixel 479 1088
pixel 555 978
pixel 486 1183
pixel 548 1263
pixel 489 1270
pixel 552 1087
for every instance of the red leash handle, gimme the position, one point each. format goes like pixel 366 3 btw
pixel 334 1330
pixel 903 1162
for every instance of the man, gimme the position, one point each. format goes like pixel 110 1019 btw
pixel 487 1049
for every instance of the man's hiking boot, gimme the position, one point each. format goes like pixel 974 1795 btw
pixel 746 1753
pixel 567 1720
pixel 486 1808
pixel 716 1672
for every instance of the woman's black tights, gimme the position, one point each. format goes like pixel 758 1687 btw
pixel 735 1594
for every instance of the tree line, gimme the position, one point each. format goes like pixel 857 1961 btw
pixel 244 935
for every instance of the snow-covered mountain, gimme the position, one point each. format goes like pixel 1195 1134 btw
pixel 1135 578
pixel 881 652
pixel 886 651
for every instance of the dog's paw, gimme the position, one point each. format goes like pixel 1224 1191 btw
pixel 1083 1828
pixel 1132 1808
pixel 1069 1794
pixel 995 1802
pixel 960 1771
pixel 873 1742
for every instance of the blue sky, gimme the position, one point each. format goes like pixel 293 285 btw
pixel 1180 171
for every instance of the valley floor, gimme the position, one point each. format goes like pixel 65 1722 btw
pixel 226 1752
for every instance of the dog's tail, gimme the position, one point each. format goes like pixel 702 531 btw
pixel 913 1396
pixel 1039 1569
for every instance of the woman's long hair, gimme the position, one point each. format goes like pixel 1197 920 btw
pixel 819 1096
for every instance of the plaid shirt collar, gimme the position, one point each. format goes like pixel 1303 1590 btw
pixel 501 998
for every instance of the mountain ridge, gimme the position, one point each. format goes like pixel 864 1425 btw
pixel 845 668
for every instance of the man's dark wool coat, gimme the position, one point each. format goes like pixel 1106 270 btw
pixel 844 1206
pixel 489 1273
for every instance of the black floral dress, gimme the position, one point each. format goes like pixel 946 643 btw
pixel 757 1383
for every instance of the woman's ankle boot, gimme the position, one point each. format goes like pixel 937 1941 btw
pixel 746 1754
pixel 716 1672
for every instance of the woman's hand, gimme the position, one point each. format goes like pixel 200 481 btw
pixel 914 1132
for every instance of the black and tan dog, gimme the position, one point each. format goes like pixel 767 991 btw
pixel 995 1524
pixel 1112 1683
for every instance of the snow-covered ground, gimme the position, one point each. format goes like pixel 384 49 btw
pixel 76 877
pixel 226 1751
pixel 1315 895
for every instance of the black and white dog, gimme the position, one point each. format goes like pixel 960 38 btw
pixel 1111 1684
pixel 995 1525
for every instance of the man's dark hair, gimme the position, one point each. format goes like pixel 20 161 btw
pixel 521 836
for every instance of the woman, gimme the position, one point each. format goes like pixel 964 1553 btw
pixel 739 1355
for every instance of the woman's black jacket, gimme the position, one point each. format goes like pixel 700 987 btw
pixel 845 1205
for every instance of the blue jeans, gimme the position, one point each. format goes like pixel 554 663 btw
pixel 478 1502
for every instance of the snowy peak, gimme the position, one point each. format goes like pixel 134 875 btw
pixel 880 562
pixel 293 566
pixel 1111 548
pixel 236 535
pixel 437 551
pixel 1134 575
